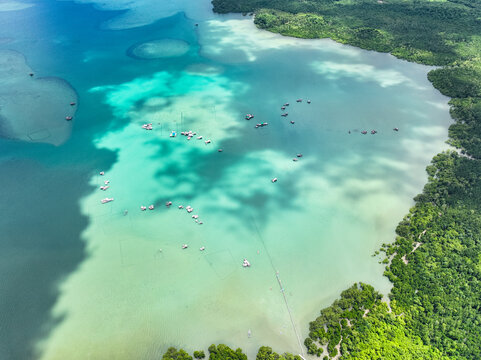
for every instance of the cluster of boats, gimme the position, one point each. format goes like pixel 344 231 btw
pixel 373 132
pixel 105 187
pixel 143 208
pixel 364 132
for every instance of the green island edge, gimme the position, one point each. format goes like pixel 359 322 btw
pixel 434 264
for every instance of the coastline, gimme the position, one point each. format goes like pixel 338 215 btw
pixel 460 85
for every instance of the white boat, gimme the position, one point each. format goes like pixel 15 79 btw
pixel 143 208
pixel 181 207
pixel 147 126
pixel 151 207
pixel 207 142
pixel 202 248
pixel 185 246
pixel 274 180
pixel 246 263
pixel 106 200
pixel 104 187
pixel 168 203
pixel 102 173
pixel 195 216
pixel 173 134
pixel 106 182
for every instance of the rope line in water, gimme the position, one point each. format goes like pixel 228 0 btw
pixel 280 286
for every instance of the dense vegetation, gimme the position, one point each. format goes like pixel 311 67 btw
pixel 429 32
pixel 434 264
pixel 223 352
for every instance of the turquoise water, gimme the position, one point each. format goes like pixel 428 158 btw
pixel 81 279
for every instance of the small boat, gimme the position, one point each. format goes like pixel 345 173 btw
pixel 207 142
pixel 199 137
pixel 364 132
pixel 373 132
pixel 283 108
pixel 168 203
pixel 249 116
pixel 249 333
pixel 220 150
pixel 143 208
pixel 286 104
pixel 181 207
pixel 299 155
pixel 258 125
pixel 185 246
pixel 299 100
pixel 274 180
pixel 102 173
pixel 292 122
pixel 200 222
pixel 68 118
pixel 308 101
pixel 295 159
pixel 202 248
pixel 106 200
pixel 189 210
pixel 173 134
pixel 72 104
pixel 151 207
pixel 285 114
pixel 396 129
pixel 265 124
pixel 106 182
pixel 246 263
pixel 189 137
pixel 195 216
pixel 104 187
pixel 147 126
pixel 31 74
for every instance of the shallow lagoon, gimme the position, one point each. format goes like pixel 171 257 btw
pixel 317 226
